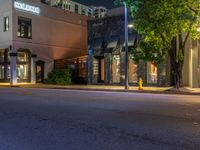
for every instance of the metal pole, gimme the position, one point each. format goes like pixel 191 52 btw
pixel 126 45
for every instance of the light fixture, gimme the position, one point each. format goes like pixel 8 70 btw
pixel 130 26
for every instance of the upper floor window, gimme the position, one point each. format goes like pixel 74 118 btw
pixel 24 28
pixel 89 14
pixel 83 12
pixel 76 9
pixel 6 24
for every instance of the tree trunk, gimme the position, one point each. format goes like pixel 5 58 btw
pixel 177 67
pixel 178 77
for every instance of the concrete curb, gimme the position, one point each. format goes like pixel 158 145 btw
pixel 113 90
pixel 104 90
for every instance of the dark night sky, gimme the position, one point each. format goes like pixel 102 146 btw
pixel 106 3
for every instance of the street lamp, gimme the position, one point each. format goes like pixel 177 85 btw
pixel 126 44
pixel 130 26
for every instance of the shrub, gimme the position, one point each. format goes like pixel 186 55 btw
pixel 59 77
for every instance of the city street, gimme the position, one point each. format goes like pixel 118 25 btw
pixel 52 119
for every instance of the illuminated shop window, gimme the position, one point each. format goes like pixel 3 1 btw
pixel 152 76
pixel 116 69
pixel 1 71
pixel 4 64
pixel 8 72
pixel 22 71
pixel 133 77
pixel 22 56
pixel 95 67
pixel 23 65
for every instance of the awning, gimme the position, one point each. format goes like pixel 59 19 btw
pixel 97 44
pixel 131 40
pixel 113 41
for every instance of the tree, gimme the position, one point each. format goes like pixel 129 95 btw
pixel 163 24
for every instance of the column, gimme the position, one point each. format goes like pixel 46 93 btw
pixel 33 69
pixel 194 64
pixel 13 64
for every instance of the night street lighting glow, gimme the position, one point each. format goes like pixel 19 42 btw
pixel 130 26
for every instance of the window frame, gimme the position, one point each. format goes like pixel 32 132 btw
pixel 19 27
pixel 6 26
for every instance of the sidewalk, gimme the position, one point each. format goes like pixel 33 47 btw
pixel 156 90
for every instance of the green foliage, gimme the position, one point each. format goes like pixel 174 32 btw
pixel 59 77
pixel 158 22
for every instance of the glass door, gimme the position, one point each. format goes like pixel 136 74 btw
pixel 40 72
pixel 116 69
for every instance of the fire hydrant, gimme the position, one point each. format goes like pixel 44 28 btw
pixel 140 83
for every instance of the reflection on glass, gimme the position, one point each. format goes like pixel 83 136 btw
pixel 2 53
pixel 1 72
pixel 8 72
pixel 133 77
pixel 151 73
pixel 22 71
pixel 116 69
pixel 22 56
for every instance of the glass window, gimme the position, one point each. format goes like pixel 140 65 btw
pixel 8 72
pixel 6 24
pixel 151 73
pixel 22 71
pixel 76 9
pixel 24 28
pixel 95 67
pixel 116 69
pixel 89 14
pixel 82 68
pixel 2 55
pixel 22 56
pixel 1 72
pixel 133 77
pixel 83 12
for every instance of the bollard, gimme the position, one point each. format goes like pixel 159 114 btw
pixel 140 83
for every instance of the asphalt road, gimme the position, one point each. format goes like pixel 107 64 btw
pixel 42 119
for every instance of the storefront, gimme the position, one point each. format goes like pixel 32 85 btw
pixel 106 56
pixel 33 35
pixel 4 65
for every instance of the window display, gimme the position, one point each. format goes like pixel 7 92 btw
pixel 151 73
pixel 22 71
pixel 116 69
pixel 1 72
pixel 133 68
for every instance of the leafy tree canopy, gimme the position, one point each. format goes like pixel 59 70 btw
pixel 158 22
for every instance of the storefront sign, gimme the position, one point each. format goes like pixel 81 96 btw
pixel 27 7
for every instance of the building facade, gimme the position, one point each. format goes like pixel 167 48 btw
pixel 33 35
pixel 107 56
pixel 72 6
pixel 191 69
pixel 99 12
